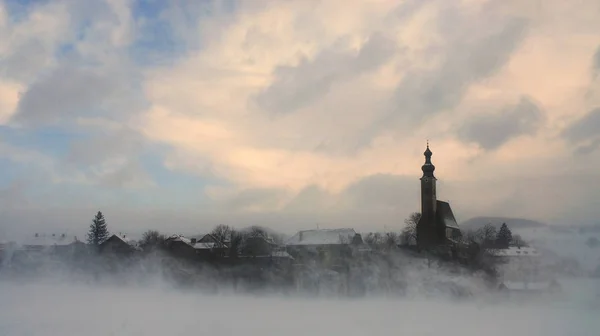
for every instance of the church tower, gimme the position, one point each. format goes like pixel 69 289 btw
pixel 429 232
pixel 428 181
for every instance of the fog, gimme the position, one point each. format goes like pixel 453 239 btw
pixel 43 308
pixel 141 301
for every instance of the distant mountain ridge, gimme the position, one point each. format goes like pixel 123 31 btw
pixel 513 223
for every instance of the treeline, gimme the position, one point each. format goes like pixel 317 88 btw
pixel 151 239
pixel 491 238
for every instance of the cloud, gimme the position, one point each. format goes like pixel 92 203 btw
pixel 596 61
pixel 491 131
pixel 256 199
pixel 66 93
pixel 465 61
pixel 299 86
pixel 300 111
pixel 585 131
pixel 28 45
pixel 382 191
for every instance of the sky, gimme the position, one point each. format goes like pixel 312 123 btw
pixel 180 115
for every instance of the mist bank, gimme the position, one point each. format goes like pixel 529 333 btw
pixel 52 308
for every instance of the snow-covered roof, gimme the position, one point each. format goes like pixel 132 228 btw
pixel 124 238
pixel 514 251
pixel 131 242
pixel 322 237
pixel 204 246
pixel 281 254
pixel 197 245
pixel 46 240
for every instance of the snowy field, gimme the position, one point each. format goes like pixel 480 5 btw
pixel 35 308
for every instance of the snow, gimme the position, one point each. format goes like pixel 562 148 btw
pixel 197 245
pixel 322 237
pixel 519 285
pixel 281 254
pixel 52 308
pixel 567 243
pixel 204 246
pixel 514 251
pixel 131 242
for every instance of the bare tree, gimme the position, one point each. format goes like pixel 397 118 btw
pixel 257 231
pixel 518 241
pixel 373 239
pixel 473 236
pixel 236 243
pixel 391 240
pixel 409 233
pixel 488 234
pixel 222 233
pixel 152 239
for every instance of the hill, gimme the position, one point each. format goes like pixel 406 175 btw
pixel 513 223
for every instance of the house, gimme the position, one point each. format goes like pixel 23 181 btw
pixel 42 248
pixel 119 245
pixel 326 246
pixel 202 247
pixel 519 271
pixel 265 250
pixel 59 244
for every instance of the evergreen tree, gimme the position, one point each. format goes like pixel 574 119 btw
pixel 504 236
pixel 98 232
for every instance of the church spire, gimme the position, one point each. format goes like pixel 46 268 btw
pixel 428 167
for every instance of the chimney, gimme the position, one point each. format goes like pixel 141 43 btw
pixel 300 236
pixel 193 241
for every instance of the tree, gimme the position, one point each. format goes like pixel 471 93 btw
pixel 236 243
pixel 504 236
pixel 488 236
pixel 518 241
pixel 390 240
pixel 373 239
pixel 222 233
pixel 409 233
pixel 98 231
pixel 473 236
pixel 152 239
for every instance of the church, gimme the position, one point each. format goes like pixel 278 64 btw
pixel 437 226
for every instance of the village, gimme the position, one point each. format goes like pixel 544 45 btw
pixel 337 261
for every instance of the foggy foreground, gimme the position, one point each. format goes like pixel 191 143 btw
pixel 62 308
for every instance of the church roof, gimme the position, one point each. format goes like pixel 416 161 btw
pixel 445 215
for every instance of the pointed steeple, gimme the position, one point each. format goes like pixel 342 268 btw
pixel 428 168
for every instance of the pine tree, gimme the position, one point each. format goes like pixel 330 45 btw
pixel 504 236
pixel 98 232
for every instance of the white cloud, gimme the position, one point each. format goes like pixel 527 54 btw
pixel 328 121
pixel 296 105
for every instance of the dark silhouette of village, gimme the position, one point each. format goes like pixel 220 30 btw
pixel 254 259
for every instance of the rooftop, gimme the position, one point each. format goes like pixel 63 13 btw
pixel 322 237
